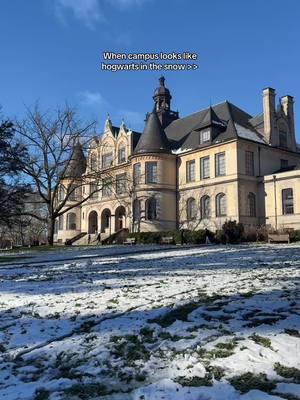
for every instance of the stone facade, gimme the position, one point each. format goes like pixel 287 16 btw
pixel 194 172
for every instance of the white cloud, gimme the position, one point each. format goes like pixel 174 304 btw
pixel 86 11
pixel 91 99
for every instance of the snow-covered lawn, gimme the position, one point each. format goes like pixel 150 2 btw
pixel 207 323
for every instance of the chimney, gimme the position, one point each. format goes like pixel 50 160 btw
pixel 269 113
pixel 287 105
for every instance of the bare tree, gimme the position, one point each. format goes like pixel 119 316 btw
pixel 50 165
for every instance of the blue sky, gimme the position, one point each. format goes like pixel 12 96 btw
pixel 51 52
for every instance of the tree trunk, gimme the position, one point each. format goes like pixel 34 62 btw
pixel 51 224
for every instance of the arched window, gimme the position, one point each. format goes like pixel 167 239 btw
pixel 205 206
pixel 221 205
pixel 60 222
pixel 93 162
pixel 191 209
pixel 136 210
pixel 151 212
pixel 71 221
pixel 251 205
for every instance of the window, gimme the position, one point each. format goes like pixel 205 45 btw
pixel 151 212
pixel 61 193
pixel 220 164
pixel 151 172
pixel 191 209
pixel 204 167
pixel 106 187
pixel 71 221
pixel 205 136
pixel 121 155
pixel 107 160
pixel 251 205
pixel 282 139
pixel 190 171
pixel 136 174
pixel 93 162
pixel 72 193
pixel 284 164
pixel 60 222
pixel 121 183
pixel 287 201
pixel 136 210
pixel 221 205
pixel 205 206
pixel 93 191
pixel 249 163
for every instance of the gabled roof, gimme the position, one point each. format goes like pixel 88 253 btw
pixel 153 138
pixel 182 133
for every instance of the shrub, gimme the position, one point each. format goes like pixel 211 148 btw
pixel 189 237
pixel 233 231
pixel 295 235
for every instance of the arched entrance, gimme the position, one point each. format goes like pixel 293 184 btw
pixel 93 222
pixel 120 218
pixel 105 220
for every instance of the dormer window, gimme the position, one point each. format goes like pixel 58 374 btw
pixel 205 136
pixel 107 160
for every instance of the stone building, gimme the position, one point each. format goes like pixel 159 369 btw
pixel 194 172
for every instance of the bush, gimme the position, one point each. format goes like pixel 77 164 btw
pixel 232 231
pixel 295 236
pixel 189 237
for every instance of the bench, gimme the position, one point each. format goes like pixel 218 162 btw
pixel 167 240
pixel 130 241
pixel 279 238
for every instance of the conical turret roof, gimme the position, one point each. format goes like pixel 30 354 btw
pixel 77 163
pixel 153 138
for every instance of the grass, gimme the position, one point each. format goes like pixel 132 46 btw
pixel 87 391
pixel 248 381
pixel 8 258
pixel 287 372
pixel 195 381
pixel 129 348
pixel 266 342
pixel 181 313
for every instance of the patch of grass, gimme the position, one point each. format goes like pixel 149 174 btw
pixel 87 391
pixel 292 332
pixel 168 336
pixel 147 334
pixel 130 349
pixel 195 381
pixel 41 394
pixel 216 372
pixel 287 372
pixel 181 313
pixel 248 381
pixel 266 342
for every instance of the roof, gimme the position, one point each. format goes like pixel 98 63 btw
pixel 228 120
pixel 153 138
pixel 77 164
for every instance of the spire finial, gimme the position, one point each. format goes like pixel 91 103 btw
pixel 162 81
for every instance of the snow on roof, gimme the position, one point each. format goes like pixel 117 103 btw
pixel 248 133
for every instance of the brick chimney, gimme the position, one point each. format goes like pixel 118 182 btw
pixel 269 113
